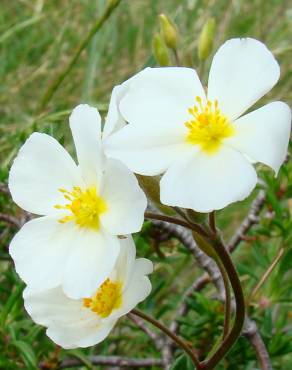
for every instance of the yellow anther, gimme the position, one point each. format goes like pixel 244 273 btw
pixel 107 298
pixel 208 126
pixel 85 207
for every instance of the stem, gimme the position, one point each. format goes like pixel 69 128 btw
pixel 267 273
pixel 94 29
pixel 221 254
pixel 227 313
pixel 212 222
pixel 173 220
pixel 181 213
pixel 230 339
pixel 181 343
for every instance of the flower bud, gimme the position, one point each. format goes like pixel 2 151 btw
pixel 206 39
pixel 160 51
pixel 204 245
pixel 150 185
pixel 168 31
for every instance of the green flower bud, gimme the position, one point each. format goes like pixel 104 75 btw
pixel 160 51
pixel 168 31
pixel 150 185
pixel 204 245
pixel 206 39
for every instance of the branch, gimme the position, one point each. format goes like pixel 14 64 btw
pixel 186 238
pixel 4 189
pixel 250 220
pixel 151 334
pixel 177 221
pixel 252 334
pixel 10 220
pixel 179 341
pixel 250 330
pixel 109 361
pixel 183 308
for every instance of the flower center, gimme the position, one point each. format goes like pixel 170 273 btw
pixel 107 298
pixel 208 127
pixel 85 207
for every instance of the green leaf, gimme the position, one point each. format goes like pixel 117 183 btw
pixel 82 357
pixel 286 263
pixel 10 303
pixel 183 362
pixel 27 354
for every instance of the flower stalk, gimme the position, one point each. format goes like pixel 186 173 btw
pixel 228 271
pixel 233 277
pixel 181 343
pixel 227 313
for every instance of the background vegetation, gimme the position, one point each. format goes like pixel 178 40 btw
pixel 37 40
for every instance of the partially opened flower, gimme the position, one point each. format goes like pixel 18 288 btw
pixel 202 144
pixel 75 244
pixel 84 322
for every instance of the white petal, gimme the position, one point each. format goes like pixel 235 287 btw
pixel 161 95
pixel 114 120
pixel 40 250
pixel 90 263
pixel 124 198
pixel 147 150
pixel 263 135
pixel 85 123
pixel 79 335
pixel 69 323
pixel 137 289
pixel 126 259
pixel 144 265
pixel 242 71
pixel 52 306
pixel 41 167
pixel 208 182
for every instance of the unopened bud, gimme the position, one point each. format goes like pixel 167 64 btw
pixel 150 185
pixel 168 31
pixel 204 245
pixel 206 39
pixel 160 51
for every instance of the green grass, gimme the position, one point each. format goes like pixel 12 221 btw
pixel 37 40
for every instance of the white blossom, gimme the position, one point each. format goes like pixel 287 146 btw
pixel 203 144
pixel 84 209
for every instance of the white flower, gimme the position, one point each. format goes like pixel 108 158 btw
pixel 85 322
pixel 202 144
pixel 114 120
pixel 75 244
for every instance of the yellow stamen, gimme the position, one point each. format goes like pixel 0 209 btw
pixel 107 298
pixel 208 127
pixel 85 207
